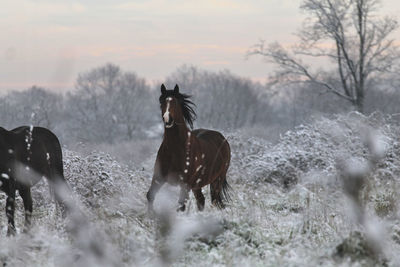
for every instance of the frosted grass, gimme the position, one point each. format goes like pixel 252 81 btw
pixel 289 207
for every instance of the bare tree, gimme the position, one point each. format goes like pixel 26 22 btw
pixel 35 106
pixel 91 105
pixel 108 105
pixel 346 32
pixel 134 111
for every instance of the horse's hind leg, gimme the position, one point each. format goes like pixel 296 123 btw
pixel 25 193
pixel 199 198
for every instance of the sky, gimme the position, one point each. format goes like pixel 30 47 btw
pixel 48 43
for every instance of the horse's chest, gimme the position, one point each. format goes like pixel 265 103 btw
pixel 174 172
pixel 183 166
pixel 190 171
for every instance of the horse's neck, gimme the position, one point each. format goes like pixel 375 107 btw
pixel 176 137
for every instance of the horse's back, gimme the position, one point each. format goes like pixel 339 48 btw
pixel 38 135
pixel 209 136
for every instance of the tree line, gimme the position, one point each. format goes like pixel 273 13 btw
pixel 109 105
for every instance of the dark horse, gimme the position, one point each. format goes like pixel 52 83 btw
pixel 191 159
pixel 26 155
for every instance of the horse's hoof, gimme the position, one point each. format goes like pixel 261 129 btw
pixel 26 230
pixel 151 212
pixel 11 231
pixel 181 208
pixel 200 207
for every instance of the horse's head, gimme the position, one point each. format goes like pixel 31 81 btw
pixel 176 108
pixel 170 109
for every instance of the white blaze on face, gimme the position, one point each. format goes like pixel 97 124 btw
pixel 166 114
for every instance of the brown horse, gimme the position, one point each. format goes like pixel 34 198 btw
pixel 26 155
pixel 191 159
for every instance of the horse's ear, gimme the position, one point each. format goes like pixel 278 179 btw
pixel 176 89
pixel 163 89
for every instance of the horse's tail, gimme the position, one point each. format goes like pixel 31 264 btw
pixel 221 193
pixel 225 192
pixel 60 187
pixel 220 196
pixel 58 184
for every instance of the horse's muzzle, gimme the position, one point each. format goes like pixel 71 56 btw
pixel 169 123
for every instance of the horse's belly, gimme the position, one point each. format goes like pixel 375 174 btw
pixel 200 180
pixel 173 178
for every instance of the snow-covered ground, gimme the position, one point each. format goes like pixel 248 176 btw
pixel 326 195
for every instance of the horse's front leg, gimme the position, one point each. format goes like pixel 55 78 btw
pixel 183 197
pixel 10 206
pixel 155 186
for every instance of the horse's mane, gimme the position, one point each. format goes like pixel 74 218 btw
pixel 187 109
pixel 187 105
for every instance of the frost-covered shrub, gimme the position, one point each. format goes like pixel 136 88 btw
pixel 316 146
pixel 385 203
pixel 94 178
pixel 357 248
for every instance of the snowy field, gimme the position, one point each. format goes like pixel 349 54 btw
pixel 326 195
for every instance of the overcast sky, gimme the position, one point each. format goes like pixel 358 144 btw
pixel 48 42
